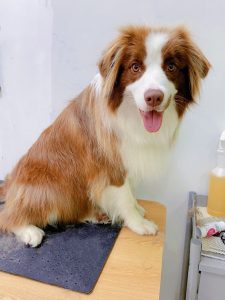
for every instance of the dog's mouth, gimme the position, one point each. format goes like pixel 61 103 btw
pixel 152 120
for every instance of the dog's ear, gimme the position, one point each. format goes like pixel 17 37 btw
pixel 198 65
pixel 198 68
pixel 110 67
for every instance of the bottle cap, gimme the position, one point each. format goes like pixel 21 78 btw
pixel 221 147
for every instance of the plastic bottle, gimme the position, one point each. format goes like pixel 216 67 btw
pixel 216 194
pixel 210 229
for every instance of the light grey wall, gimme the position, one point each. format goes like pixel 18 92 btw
pixel 43 65
pixel 82 28
pixel 25 76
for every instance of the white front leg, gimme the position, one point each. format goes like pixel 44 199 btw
pixel 120 204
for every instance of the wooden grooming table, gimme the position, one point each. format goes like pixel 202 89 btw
pixel 132 271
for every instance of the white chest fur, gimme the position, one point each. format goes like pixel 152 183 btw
pixel 145 154
pixel 143 162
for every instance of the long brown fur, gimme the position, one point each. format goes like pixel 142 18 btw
pixel 58 173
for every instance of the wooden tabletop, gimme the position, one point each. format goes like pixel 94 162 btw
pixel 132 271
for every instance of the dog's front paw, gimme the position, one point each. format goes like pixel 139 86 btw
pixel 143 227
pixel 30 235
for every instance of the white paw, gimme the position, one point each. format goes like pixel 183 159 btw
pixel 143 226
pixel 30 235
pixel 140 209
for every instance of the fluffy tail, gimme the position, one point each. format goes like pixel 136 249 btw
pixel 3 219
pixel 2 191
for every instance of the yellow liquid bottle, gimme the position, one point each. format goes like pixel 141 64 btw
pixel 216 193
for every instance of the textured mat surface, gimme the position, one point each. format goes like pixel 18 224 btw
pixel 72 258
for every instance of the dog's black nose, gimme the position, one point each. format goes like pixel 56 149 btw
pixel 153 97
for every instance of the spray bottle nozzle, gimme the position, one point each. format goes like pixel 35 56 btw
pixel 221 147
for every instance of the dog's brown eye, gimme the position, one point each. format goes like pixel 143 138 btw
pixel 171 67
pixel 135 67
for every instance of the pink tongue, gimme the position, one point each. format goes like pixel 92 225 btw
pixel 152 120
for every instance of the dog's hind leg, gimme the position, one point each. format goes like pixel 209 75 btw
pixel 29 234
pixel 25 210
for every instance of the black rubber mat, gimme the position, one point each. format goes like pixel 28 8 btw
pixel 72 258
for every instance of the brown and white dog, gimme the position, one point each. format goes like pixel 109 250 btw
pixel 116 132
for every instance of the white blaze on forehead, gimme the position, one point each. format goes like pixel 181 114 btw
pixel 154 76
pixel 154 44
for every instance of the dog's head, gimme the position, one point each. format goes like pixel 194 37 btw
pixel 154 68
